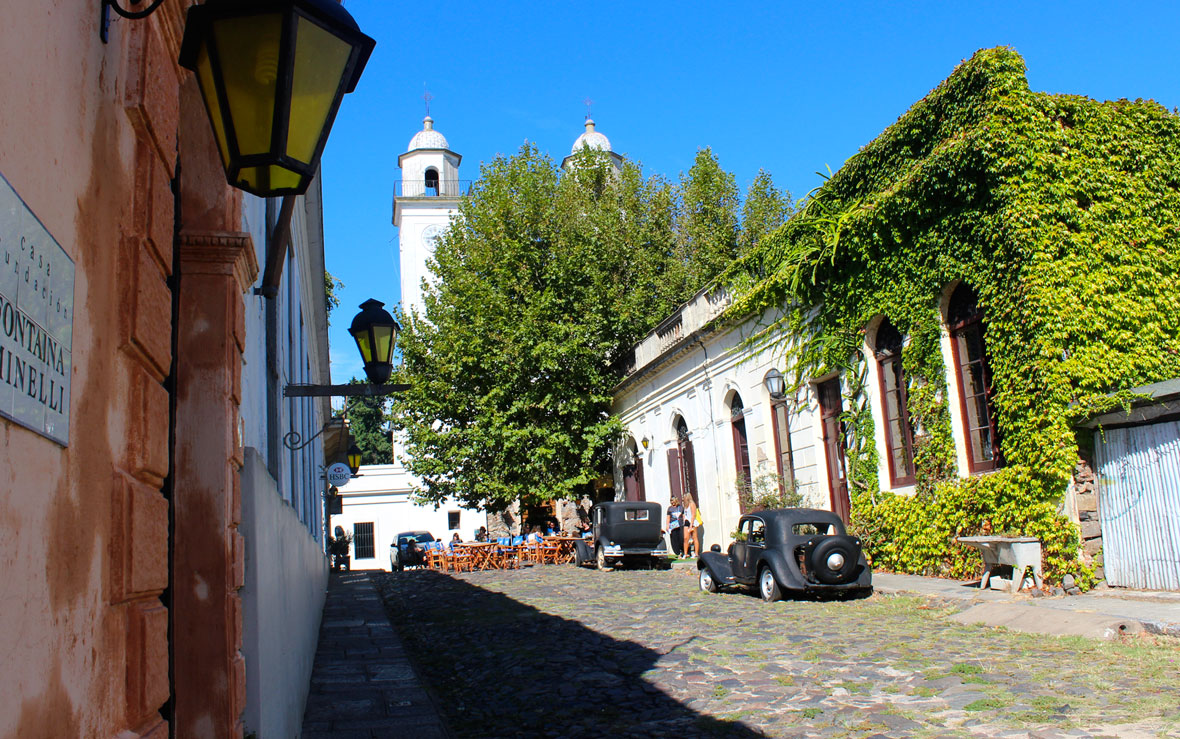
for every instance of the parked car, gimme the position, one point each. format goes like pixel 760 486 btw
pixel 406 550
pixel 801 550
pixel 626 532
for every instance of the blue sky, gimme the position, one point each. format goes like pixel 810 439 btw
pixel 789 88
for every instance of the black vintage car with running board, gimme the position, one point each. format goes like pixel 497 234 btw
pixel 624 532
pixel 801 550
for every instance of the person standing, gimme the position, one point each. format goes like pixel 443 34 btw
pixel 691 535
pixel 675 531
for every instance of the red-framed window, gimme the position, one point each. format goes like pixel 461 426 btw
pixel 965 322
pixel 899 437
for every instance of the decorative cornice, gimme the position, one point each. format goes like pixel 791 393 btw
pixel 220 253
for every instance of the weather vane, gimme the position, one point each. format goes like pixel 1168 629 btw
pixel 427 97
pixel 588 103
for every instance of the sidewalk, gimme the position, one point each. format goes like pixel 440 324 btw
pixel 1099 613
pixel 362 684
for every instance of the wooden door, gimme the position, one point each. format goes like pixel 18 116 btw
pixel 830 408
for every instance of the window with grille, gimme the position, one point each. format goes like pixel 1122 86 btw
pixel 362 540
pixel 895 404
pixel 452 520
pixel 965 320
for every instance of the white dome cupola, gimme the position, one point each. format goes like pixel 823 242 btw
pixel 592 139
pixel 427 138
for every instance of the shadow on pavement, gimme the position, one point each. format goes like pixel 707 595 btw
pixel 498 667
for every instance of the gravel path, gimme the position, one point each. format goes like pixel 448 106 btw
pixel 562 651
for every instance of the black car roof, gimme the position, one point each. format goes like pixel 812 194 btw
pixel 790 516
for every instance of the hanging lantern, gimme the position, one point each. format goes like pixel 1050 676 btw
pixel 272 74
pixel 354 458
pixel 375 332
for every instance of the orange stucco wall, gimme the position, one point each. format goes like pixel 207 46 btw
pixel 89 135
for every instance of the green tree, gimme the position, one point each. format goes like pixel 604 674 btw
pixel 707 226
pixel 331 286
pixel 764 211
pixel 368 420
pixel 543 281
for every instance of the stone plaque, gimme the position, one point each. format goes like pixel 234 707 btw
pixel 36 321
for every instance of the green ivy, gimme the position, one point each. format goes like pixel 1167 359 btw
pixel 1062 213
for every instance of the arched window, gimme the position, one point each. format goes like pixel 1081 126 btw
pixel 633 472
pixel 968 332
pixel 682 464
pixel 741 443
pixel 894 405
pixel 431 181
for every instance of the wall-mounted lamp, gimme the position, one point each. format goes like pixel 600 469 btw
pixel 104 18
pixel 354 459
pixel 775 384
pixel 645 443
pixel 375 333
pixel 272 74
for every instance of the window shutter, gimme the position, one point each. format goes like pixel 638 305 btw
pixel 674 472
pixel 690 471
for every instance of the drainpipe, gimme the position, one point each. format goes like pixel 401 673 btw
pixel 272 358
pixel 712 433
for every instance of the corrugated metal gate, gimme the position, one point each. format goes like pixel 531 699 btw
pixel 1139 505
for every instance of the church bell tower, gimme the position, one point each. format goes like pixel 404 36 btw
pixel 423 203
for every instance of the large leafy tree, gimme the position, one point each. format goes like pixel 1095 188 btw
pixel 766 209
pixel 368 420
pixel 542 282
pixel 707 226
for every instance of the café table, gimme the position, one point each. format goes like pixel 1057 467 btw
pixel 565 547
pixel 481 553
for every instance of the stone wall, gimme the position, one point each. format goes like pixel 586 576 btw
pixel 1085 490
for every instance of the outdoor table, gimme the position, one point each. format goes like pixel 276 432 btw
pixel 565 547
pixel 481 552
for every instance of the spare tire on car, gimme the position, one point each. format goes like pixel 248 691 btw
pixel 833 559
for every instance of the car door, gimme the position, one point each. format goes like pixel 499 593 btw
pixel 738 551
pixel 755 547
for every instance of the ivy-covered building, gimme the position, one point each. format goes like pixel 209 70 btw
pixel 992 269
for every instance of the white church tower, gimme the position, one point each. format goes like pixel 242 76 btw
pixel 591 139
pixel 423 204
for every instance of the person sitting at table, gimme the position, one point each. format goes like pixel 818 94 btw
pixel 584 530
pixel 482 534
pixel 536 534
pixel 455 539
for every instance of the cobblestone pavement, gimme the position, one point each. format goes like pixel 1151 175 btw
pixel 562 651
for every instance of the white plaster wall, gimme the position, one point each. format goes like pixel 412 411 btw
pixel 282 601
pixel 382 495
pixel 697 388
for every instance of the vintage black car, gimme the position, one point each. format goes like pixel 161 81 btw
pixel 406 550
pixel 627 532
pixel 791 549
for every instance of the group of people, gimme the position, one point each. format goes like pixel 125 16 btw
pixel 684 520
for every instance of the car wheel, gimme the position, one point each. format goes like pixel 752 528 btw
pixel 706 581
pixel 768 586
pixel 601 560
pixel 579 560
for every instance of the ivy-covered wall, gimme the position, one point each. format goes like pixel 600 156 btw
pixel 1063 213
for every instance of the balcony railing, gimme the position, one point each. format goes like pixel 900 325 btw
pixel 439 188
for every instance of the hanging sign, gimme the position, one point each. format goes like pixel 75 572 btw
pixel 36 322
pixel 338 474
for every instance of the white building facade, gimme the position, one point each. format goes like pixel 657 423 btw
pixel 378 504
pixel 699 418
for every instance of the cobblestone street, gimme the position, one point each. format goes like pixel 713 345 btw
pixel 563 651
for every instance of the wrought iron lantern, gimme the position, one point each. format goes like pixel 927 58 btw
pixel 272 74
pixel 354 458
pixel 775 384
pixel 375 332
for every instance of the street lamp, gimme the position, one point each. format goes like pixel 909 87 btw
pixel 272 74
pixel 354 458
pixel 375 332
pixel 775 384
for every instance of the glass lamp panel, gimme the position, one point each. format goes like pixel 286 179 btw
pixel 320 59
pixel 364 345
pixel 212 102
pixel 269 178
pixel 383 336
pixel 248 49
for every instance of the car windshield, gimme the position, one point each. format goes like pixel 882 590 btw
pixel 421 538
